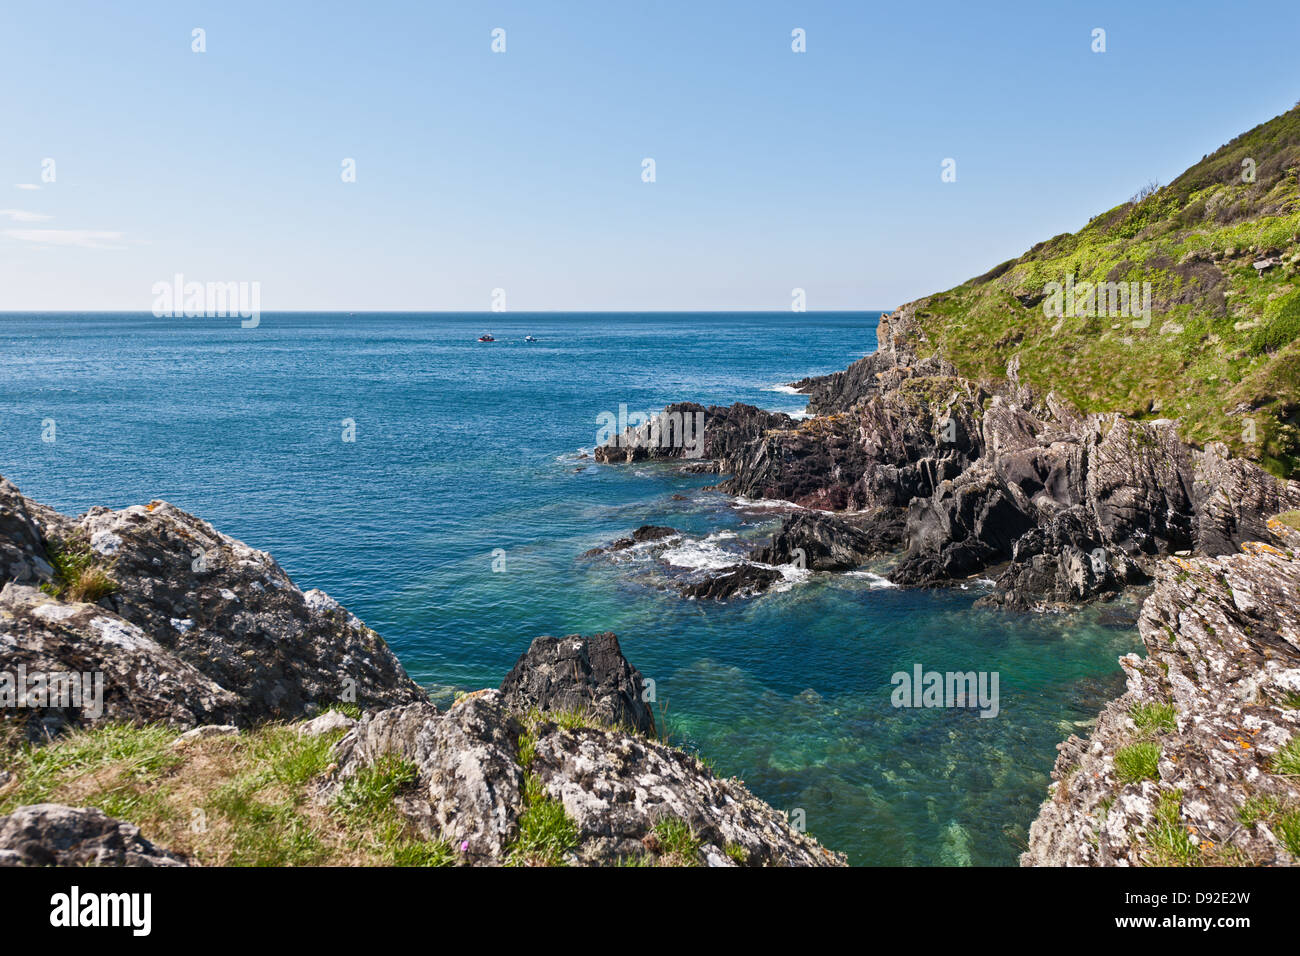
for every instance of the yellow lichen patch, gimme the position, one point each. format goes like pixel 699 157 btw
pixel 1259 547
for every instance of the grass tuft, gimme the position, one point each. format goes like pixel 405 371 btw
pixel 1139 761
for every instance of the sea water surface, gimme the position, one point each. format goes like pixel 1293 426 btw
pixel 455 522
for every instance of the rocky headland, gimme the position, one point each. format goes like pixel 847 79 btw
pixel 207 680
pixel 954 478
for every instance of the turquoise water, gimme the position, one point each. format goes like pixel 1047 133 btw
pixel 464 448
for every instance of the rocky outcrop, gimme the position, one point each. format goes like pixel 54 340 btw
pixel 188 627
pixel 50 834
pixel 821 542
pixel 1182 768
pixel 733 581
pixel 588 675
pixel 22 552
pixel 614 785
pixel 616 788
pixel 195 628
pixel 993 479
pixel 741 579
pixel 470 789
pixel 647 532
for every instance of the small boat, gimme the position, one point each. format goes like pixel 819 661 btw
pixel 486 337
pixel 529 338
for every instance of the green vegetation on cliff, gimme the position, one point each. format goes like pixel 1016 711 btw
pixel 1220 352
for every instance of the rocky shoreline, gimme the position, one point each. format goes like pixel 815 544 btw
pixel 186 629
pixel 1198 762
pixel 904 458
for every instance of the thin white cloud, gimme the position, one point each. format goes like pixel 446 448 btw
pixel 80 238
pixel 22 215
pixel 26 186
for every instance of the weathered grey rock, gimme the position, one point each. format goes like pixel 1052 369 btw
pixel 51 834
pixel 1222 637
pixel 326 723
pixel 470 788
pixel 139 679
pixel 589 675
pixel 205 732
pixel 200 628
pixel 616 788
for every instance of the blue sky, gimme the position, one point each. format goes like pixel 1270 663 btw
pixel 522 170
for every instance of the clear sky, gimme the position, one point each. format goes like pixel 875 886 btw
pixel 522 170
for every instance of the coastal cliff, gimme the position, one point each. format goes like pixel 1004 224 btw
pixel 171 697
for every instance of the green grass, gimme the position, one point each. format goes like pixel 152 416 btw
pixel 1154 718
pixel 546 833
pixel 1283 819
pixel 1139 761
pixel 79 575
pixel 372 789
pixel 1287 760
pixel 1220 334
pixel 241 800
pixel 678 844
pixel 737 853
pixel 1169 842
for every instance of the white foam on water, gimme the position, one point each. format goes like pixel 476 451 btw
pixel 702 555
pixel 873 580
pixel 783 389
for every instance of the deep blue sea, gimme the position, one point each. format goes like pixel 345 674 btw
pixel 467 452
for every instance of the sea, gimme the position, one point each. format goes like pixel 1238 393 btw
pixel 442 489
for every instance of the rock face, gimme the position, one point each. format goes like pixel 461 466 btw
pixel 575 673
pixel 614 785
pixel 615 788
pixel 820 542
pixel 736 580
pixel 1222 637
pixel 50 834
pixel 198 628
pixel 972 478
pixel 470 789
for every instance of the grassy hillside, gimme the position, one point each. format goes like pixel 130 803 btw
pixel 1221 351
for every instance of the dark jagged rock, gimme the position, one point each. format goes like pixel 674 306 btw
pixel 1075 506
pixel 647 532
pixel 725 432
pixel 821 542
pixel 197 627
pixel 589 675
pixel 1222 638
pixel 22 552
pixel 737 580
pixel 51 834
